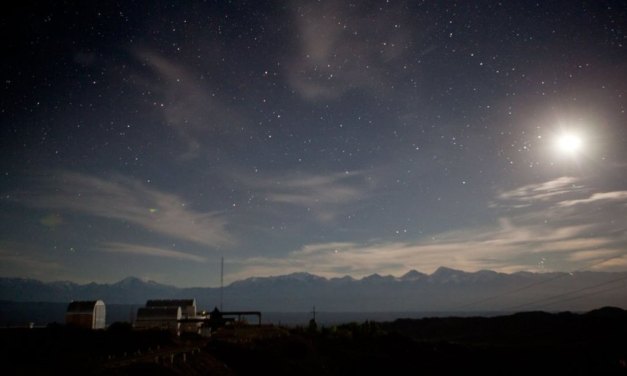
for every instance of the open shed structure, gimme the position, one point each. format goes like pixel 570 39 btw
pixel 89 314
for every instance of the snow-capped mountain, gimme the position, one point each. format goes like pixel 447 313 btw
pixel 444 290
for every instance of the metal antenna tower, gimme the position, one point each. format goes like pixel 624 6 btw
pixel 221 282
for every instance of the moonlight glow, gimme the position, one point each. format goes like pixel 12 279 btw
pixel 569 143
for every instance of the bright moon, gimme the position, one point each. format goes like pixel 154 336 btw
pixel 569 143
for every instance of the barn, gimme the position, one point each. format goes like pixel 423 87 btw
pixel 188 306
pixel 163 318
pixel 89 314
pixel 188 311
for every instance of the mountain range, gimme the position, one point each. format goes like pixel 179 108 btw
pixel 445 290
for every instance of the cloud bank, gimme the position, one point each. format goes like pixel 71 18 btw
pixel 133 202
pixel 561 233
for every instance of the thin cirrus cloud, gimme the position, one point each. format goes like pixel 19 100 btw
pixel 335 52
pixel 15 258
pixel 540 192
pixel 615 196
pixel 187 103
pixel 594 255
pixel 133 202
pixel 559 233
pixel 324 195
pixel 143 250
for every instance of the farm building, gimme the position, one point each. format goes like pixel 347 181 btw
pixel 86 314
pixel 188 306
pixel 188 311
pixel 163 318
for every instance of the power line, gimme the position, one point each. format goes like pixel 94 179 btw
pixel 513 291
pixel 533 284
pixel 557 296
pixel 590 293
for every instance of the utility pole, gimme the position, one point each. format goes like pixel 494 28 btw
pixel 313 325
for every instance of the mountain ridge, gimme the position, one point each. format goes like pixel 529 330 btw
pixel 412 273
pixel 444 289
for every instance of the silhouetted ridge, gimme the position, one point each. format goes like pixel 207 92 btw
pixel 412 275
pixel 608 312
pixel 446 275
pixel 378 279
pixel 130 282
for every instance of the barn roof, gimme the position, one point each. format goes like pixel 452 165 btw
pixel 171 303
pixel 151 313
pixel 83 306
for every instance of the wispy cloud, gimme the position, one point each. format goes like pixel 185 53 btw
pixel 18 261
pixel 344 47
pixel 187 102
pixel 143 250
pixel 540 192
pixel 616 196
pixel 324 195
pixel 594 255
pixel 136 203
pixel 612 264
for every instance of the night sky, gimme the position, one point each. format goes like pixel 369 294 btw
pixel 150 139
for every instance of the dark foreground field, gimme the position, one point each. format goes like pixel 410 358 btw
pixel 592 343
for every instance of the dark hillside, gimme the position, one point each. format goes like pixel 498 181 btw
pixel 522 343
